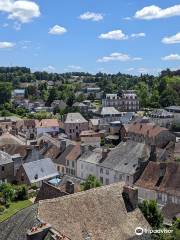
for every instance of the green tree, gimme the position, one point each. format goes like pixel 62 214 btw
pixel 7 192
pixel 91 182
pixel 143 93
pixel 5 92
pixel 53 95
pixel 151 212
pixel 169 97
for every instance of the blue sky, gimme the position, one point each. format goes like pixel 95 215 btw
pixel 130 36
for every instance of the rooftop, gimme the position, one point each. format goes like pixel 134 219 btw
pixel 126 156
pixel 75 118
pixel 161 113
pixel 5 158
pixel 144 129
pixel 163 177
pixel 45 123
pixel 39 170
pixel 8 138
pixel 109 111
pixel 98 213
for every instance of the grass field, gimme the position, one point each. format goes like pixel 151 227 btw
pixel 14 208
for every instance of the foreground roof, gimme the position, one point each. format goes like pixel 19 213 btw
pixel 15 228
pixel 98 213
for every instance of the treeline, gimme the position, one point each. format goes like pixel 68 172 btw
pixel 153 91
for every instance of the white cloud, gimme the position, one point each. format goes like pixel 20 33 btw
pixel 138 35
pixel 49 69
pixel 130 69
pixel 57 30
pixel 127 18
pixel 155 12
pixel 172 39
pixel 91 16
pixel 171 57
pixel 114 35
pixel 74 67
pixel 21 10
pixel 6 45
pixel 118 57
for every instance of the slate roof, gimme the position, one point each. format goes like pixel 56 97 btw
pixel 145 129
pixel 46 123
pixel 170 211
pixel 161 113
pixel 125 157
pixel 169 183
pixel 61 159
pixel 8 138
pixel 109 111
pixel 75 118
pixel 74 153
pixel 42 169
pixel 5 158
pixel 15 228
pixel 98 213
pixel 13 149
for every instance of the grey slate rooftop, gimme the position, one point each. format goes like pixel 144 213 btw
pixel 125 157
pixel 75 118
pixel 15 227
pixel 40 170
pixel 5 158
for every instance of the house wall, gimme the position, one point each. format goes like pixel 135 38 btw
pixel 163 122
pixel 7 172
pixel 105 175
pixel 84 169
pixel 162 198
pixel 73 130
pixel 52 130
pixel 21 176
pixel 71 167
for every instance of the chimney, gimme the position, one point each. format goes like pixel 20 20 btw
pixel 84 148
pixel 153 154
pixel 38 232
pixel 69 187
pixel 62 145
pixel 104 153
pixel 130 196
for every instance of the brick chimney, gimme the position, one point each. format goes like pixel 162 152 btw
pixel 63 145
pixel 69 187
pixel 130 195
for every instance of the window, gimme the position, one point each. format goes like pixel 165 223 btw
pixel 81 166
pixel 107 181
pixel 3 168
pixel 101 170
pixel 70 130
pixel 67 162
pixel 101 179
pixel 107 172
pixel 81 175
pixel 72 172
pixel 58 168
pixel 72 164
